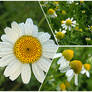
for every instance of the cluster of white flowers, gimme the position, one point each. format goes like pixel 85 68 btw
pixel 72 68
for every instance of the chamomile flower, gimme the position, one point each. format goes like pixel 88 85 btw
pixel 24 48
pixel 64 60
pixel 52 13
pixel 76 67
pixel 62 86
pixel 90 28
pixel 60 35
pixel 85 69
pixel 68 24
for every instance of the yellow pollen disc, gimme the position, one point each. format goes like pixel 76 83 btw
pixel 51 11
pixel 76 65
pixel 62 86
pixel 68 22
pixel 68 54
pixel 27 49
pixel 59 35
pixel 87 66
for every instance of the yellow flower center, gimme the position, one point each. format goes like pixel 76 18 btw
pixel 63 12
pixel 62 22
pixel 59 35
pixel 76 65
pixel 27 49
pixel 87 66
pixel 62 86
pixel 91 27
pixel 68 54
pixel 68 22
pixel 51 11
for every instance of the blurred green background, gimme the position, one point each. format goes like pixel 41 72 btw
pixel 19 11
pixel 54 78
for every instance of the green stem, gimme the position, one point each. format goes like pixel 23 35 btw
pixel 41 21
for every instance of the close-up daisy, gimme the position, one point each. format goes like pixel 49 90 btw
pixel 69 68
pixel 68 24
pixel 24 50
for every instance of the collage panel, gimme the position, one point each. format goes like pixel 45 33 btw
pixel 71 70
pixel 71 21
pixel 27 46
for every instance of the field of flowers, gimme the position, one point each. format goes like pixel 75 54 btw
pixel 58 79
pixel 71 21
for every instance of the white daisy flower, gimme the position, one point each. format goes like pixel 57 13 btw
pixel 23 48
pixel 76 67
pixel 64 59
pixel 68 24
pixel 70 74
pixel 71 69
pixel 52 13
pixel 60 34
pixel 85 69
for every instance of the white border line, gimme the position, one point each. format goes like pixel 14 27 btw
pixel 48 22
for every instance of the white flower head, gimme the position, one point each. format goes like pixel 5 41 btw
pixel 76 67
pixel 68 24
pixel 85 69
pixel 23 47
pixel 52 13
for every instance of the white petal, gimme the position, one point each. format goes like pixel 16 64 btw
pixel 16 28
pixel 49 43
pixel 6 60
pixel 4 38
pixel 83 71
pixel 22 27
pixel 69 74
pixel 44 64
pixel 61 60
pixel 35 31
pixel 5 53
pixel 16 74
pixel 49 55
pixel 26 73
pixel 76 79
pixel 6 45
pixel 29 26
pixel 88 74
pixel 12 36
pixel 44 37
pixel 11 68
pixel 57 55
pixel 39 74
pixel 48 49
